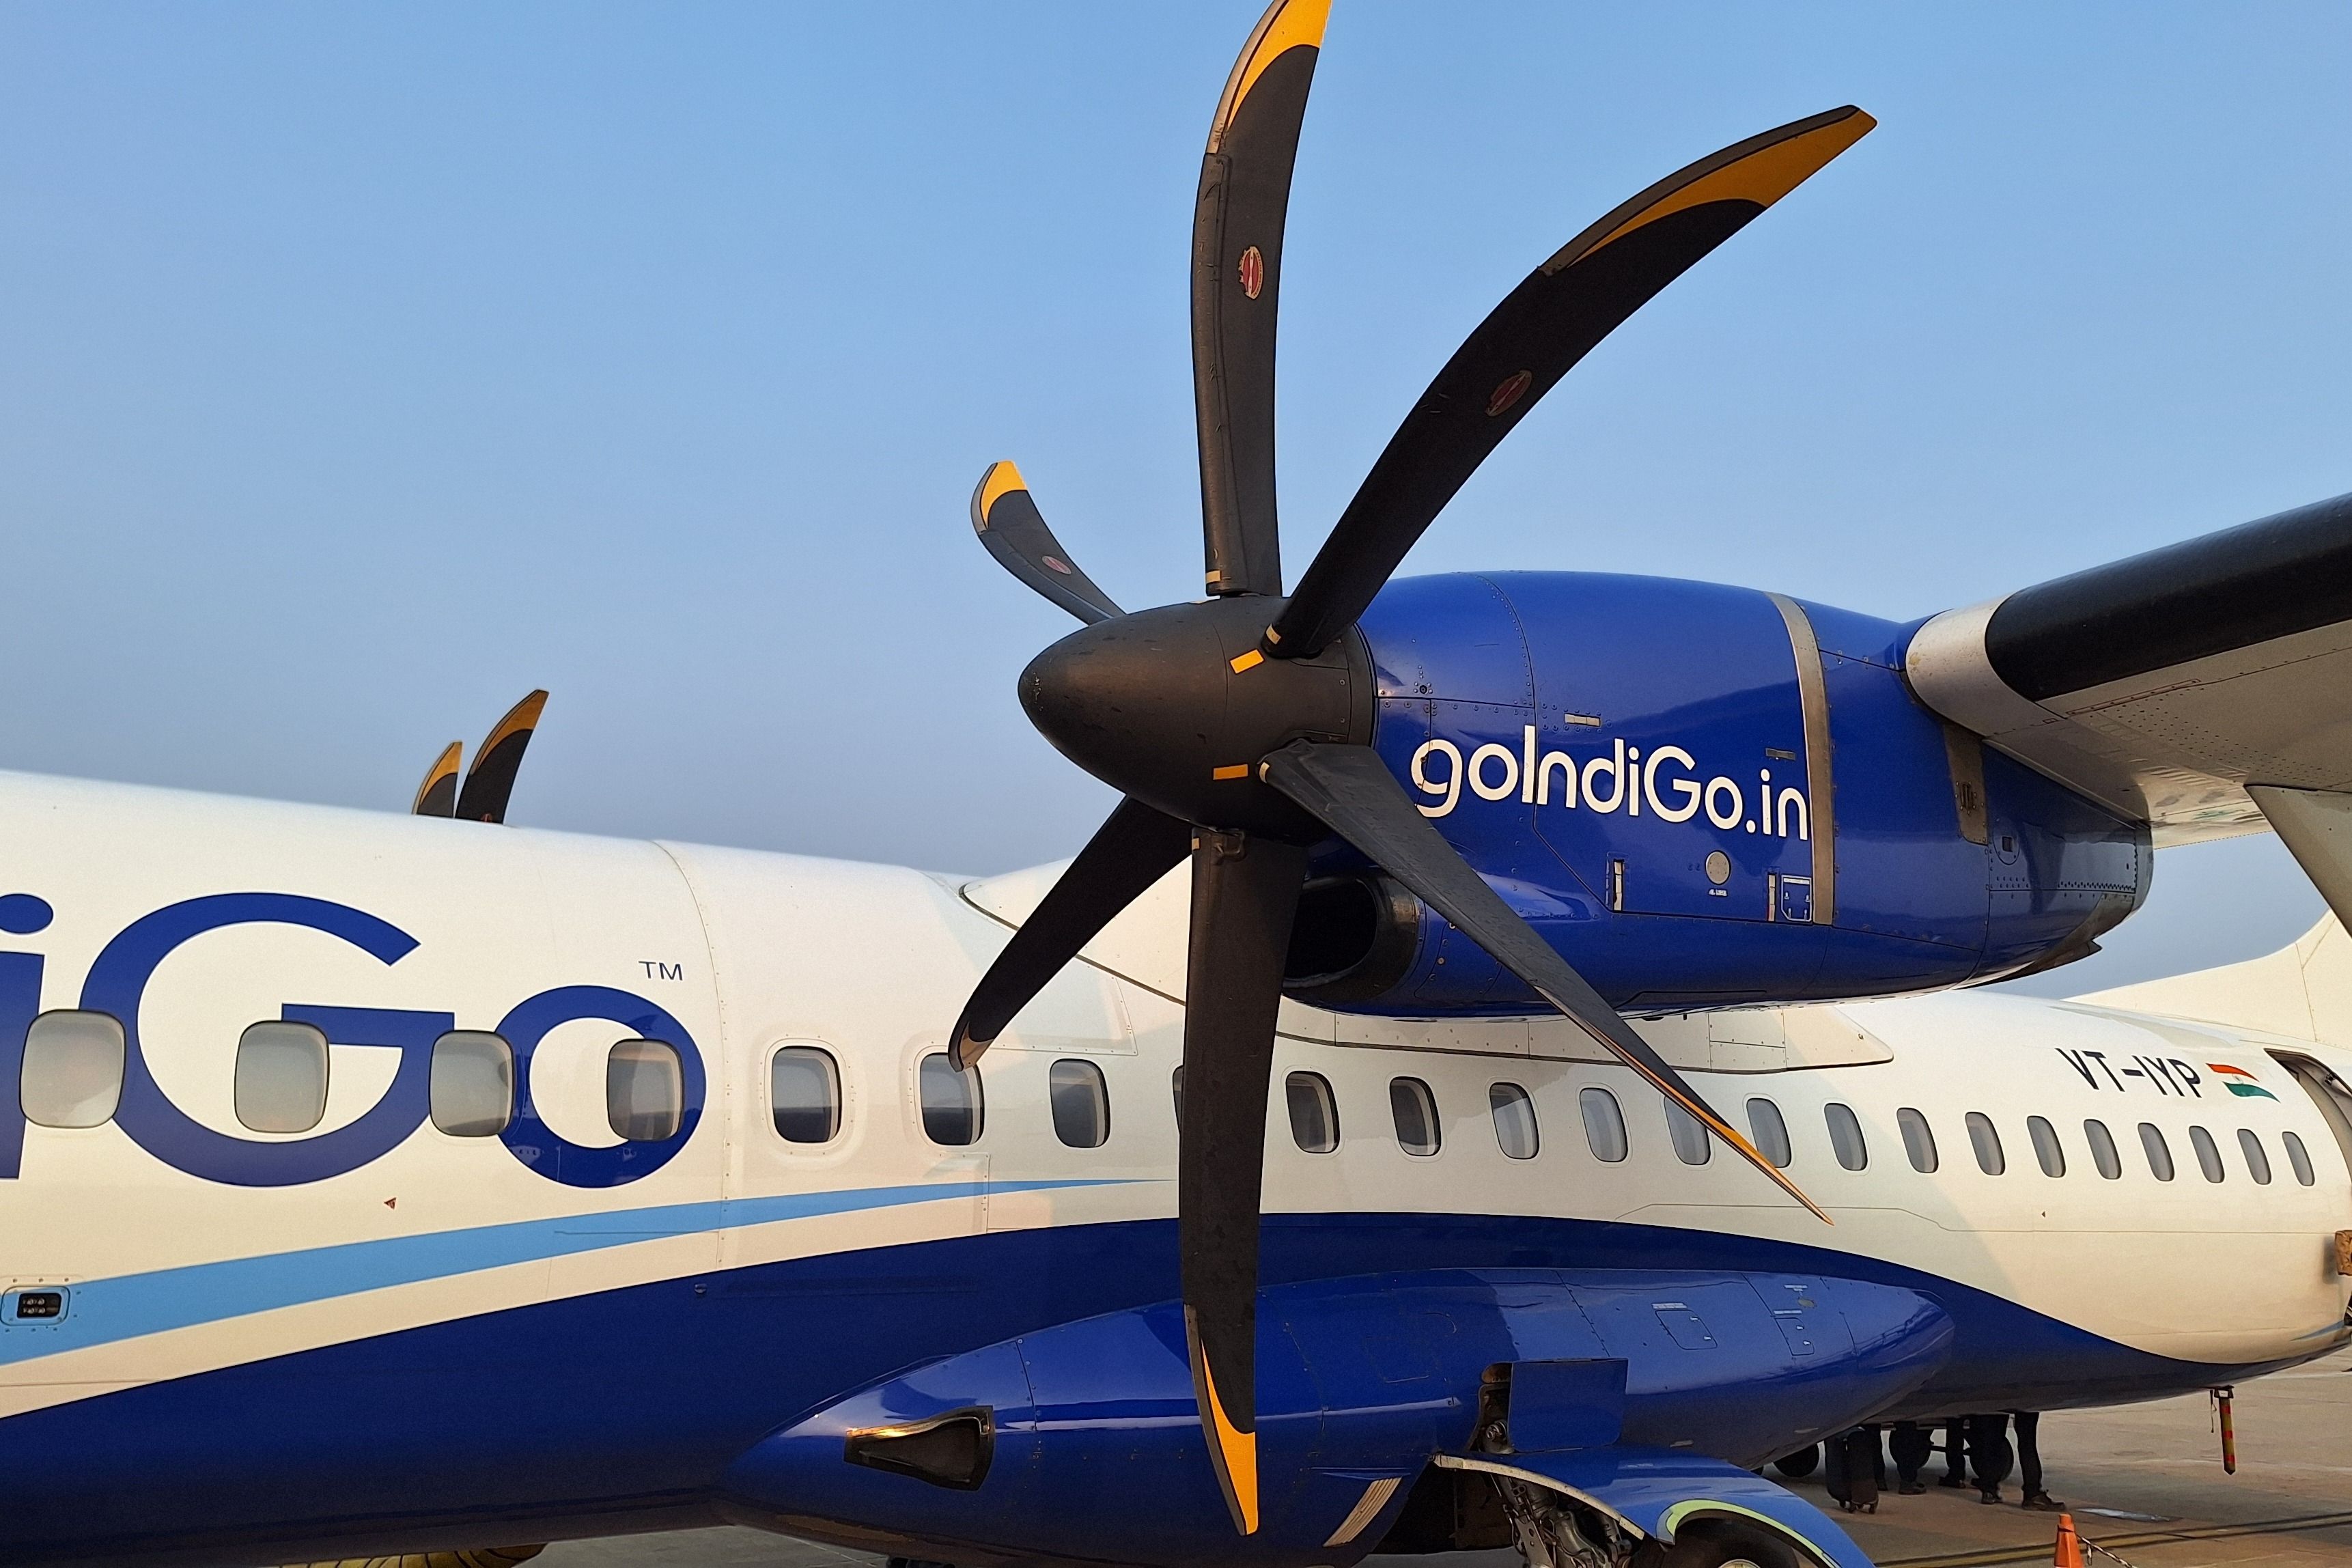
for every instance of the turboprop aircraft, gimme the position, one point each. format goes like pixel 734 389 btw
pixel 380 1183
pixel 387 1183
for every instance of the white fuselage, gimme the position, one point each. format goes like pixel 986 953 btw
pixel 171 1274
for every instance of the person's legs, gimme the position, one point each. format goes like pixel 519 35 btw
pixel 1989 1453
pixel 1910 1445
pixel 1956 1464
pixel 2029 1457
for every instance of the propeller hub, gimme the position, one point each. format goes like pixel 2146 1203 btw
pixel 1153 705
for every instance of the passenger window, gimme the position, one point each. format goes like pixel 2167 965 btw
pixel 1414 1109
pixel 1693 1143
pixel 472 1092
pixel 1985 1138
pixel 2300 1158
pixel 2046 1149
pixel 1081 1102
pixel 1770 1132
pixel 2208 1156
pixel 1845 1136
pixel 1918 1141
pixel 2258 1163
pixel 1314 1114
pixel 645 1090
pixel 282 1077
pixel 72 1074
pixel 2160 1153
pixel 2103 1150
pixel 1604 1124
pixel 804 1094
pixel 953 1110
pixel 1515 1120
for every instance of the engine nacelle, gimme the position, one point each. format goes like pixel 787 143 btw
pixel 1080 1443
pixel 1702 796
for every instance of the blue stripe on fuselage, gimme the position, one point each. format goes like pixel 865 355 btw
pixel 127 1306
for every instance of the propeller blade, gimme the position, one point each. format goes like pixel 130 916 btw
pixel 1244 897
pixel 1006 517
pixel 1133 848
pixel 1534 337
pixel 491 779
pixel 1237 223
pixel 1351 791
pixel 437 795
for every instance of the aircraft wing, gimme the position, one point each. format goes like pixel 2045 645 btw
pixel 2204 689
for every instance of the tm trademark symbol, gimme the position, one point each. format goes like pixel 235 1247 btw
pixel 656 970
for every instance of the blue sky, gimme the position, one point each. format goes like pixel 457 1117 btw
pixel 362 366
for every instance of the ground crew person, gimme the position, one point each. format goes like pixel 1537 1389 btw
pixel 2029 1457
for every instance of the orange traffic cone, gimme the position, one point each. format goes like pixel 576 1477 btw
pixel 2068 1551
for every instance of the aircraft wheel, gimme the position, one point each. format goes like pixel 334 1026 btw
pixel 1801 1463
pixel 1719 1543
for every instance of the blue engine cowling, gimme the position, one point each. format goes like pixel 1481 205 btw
pixel 1080 1443
pixel 1702 796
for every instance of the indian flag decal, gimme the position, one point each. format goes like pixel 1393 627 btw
pixel 2240 1081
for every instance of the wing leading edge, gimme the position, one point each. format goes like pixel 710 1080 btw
pixel 2163 686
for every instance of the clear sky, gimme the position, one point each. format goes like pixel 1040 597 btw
pixel 362 366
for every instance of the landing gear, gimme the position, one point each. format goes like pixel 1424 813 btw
pixel 1801 1463
pixel 1719 1543
pixel 1554 1530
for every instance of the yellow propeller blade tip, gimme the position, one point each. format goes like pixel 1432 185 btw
pixel 1236 1455
pixel 443 772
pixel 523 715
pixel 1288 24
pixel 1772 165
pixel 1000 480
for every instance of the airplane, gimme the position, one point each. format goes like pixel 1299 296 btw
pixel 624 1185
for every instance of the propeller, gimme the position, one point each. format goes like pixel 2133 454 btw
pixel 437 795
pixel 1237 224
pixel 1006 517
pixel 490 781
pixel 1131 851
pixel 1239 729
pixel 1528 341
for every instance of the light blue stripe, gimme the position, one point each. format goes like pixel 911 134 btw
pixel 130 1305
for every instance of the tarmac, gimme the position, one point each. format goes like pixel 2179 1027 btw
pixel 2143 1481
